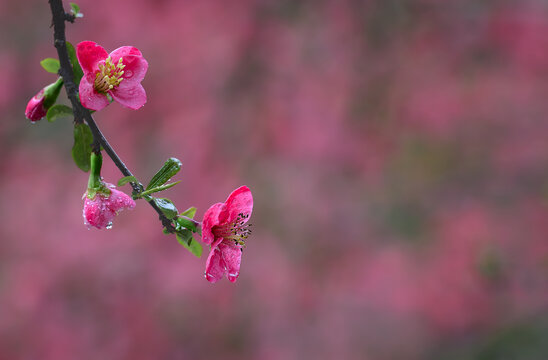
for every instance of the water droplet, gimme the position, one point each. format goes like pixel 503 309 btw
pixel 109 225
pixel 128 73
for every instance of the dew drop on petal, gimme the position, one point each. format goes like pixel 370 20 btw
pixel 128 73
pixel 109 226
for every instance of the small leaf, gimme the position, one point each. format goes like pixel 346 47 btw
pixel 76 69
pixel 170 168
pixel 126 180
pixel 185 223
pixel 190 212
pixel 167 207
pixel 184 238
pixel 51 65
pixel 81 151
pixel 75 10
pixel 157 189
pixel 58 111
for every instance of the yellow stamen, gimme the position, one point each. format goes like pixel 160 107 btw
pixel 109 75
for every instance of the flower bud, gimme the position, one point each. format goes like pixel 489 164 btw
pixel 102 202
pixel 38 106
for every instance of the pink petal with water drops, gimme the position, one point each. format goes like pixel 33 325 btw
pixel 100 211
pixel 232 257
pixel 215 266
pixel 90 98
pixel 135 64
pixel 129 94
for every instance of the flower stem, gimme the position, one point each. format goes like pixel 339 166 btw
pixel 94 181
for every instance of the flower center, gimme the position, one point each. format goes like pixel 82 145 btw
pixel 109 75
pixel 238 231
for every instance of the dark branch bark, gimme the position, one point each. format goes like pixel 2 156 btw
pixel 80 113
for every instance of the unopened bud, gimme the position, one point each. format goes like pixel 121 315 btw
pixel 38 106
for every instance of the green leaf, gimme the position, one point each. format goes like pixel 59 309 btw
pixel 76 69
pixel 75 10
pixel 58 111
pixel 158 188
pixel 81 151
pixel 185 238
pixel 183 222
pixel 170 168
pixel 51 65
pixel 126 180
pixel 190 212
pixel 167 207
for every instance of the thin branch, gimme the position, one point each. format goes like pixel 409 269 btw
pixel 99 140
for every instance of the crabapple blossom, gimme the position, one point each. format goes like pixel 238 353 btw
pixel 225 227
pixel 118 74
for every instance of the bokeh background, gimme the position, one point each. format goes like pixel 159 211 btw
pixel 397 151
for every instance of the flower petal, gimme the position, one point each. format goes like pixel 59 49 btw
pixel 130 94
pixel 240 201
pixel 90 98
pixel 102 209
pixel 135 64
pixel 232 257
pixel 124 51
pixel 97 213
pixel 215 266
pixel 89 55
pixel 211 218
pixel 119 201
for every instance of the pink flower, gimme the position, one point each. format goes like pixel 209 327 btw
pixel 118 74
pixel 225 228
pixel 100 210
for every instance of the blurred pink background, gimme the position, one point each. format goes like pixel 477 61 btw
pixel 398 156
